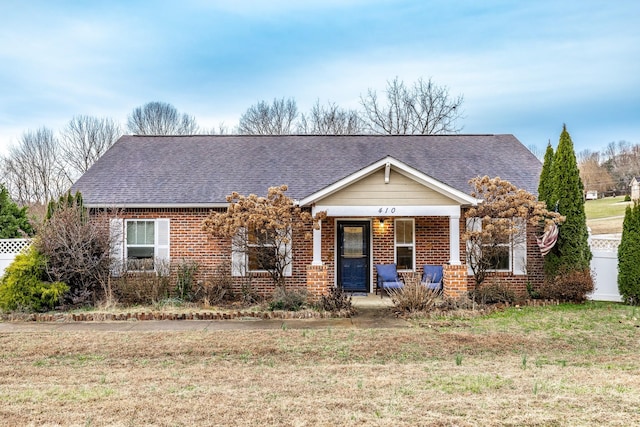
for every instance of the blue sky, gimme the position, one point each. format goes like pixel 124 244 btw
pixel 523 67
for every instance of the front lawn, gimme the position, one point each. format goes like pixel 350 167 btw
pixel 556 365
pixel 605 216
pixel 605 207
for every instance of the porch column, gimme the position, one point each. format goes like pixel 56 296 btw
pixel 454 239
pixel 317 245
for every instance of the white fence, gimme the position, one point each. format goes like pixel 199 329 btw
pixel 605 265
pixel 9 248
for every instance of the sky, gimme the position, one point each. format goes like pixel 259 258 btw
pixel 523 67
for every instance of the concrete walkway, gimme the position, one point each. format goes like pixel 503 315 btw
pixel 373 312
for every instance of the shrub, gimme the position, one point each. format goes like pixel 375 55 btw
pixel 413 296
pixel 456 303
pixel 185 283
pixel 218 289
pixel 143 287
pixel 22 287
pixel 77 252
pixel 337 300
pixel 573 285
pixel 532 292
pixel 627 198
pixel 288 300
pixel 493 291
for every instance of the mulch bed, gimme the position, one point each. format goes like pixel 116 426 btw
pixel 210 315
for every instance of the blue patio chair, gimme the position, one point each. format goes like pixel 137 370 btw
pixel 388 278
pixel 432 277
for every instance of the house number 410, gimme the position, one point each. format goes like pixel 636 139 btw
pixel 387 210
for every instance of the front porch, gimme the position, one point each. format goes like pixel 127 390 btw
pixel 346 250
pixel 388 213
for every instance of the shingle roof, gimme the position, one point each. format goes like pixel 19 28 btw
pixel 163 170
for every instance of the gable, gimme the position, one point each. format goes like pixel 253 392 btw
pixel 401 190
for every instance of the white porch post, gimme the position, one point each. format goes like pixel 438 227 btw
pixel 317 245
pixel 454 239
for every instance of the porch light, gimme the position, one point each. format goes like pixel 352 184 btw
pixel 381 221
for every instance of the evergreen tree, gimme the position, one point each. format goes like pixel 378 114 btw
pixel 545 187
pixel 13 220
pixel 66 201
pixel 629 257
pixel 571 252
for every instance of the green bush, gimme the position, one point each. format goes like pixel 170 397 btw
pixel 413 296
pixel 627 198
pixel 185 284
pixel 629 257
pixel 493 292
pixel 571 285
pixel 22 287
pixel 288 300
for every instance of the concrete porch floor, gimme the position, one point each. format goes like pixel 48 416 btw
pixel 371 300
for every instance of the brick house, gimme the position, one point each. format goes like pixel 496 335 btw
pixel 389 199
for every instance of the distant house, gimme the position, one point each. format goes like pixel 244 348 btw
pixel 389 199
pixel 635 188
pixel 591 195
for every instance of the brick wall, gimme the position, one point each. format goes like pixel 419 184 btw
pixel 534 267
pixel 189 242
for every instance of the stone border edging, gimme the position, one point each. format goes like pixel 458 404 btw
pixel 156 315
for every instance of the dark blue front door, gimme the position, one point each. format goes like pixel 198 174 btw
pixel 353 256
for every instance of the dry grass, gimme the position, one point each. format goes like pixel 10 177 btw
pixel 560 365
pixel 606 225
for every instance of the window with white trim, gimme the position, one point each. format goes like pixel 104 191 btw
pixel 261 252
pixel 405 244
pixel 509 255
pixel 146 242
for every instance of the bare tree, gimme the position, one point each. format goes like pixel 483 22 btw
pixel 160 118
pixel 499 223
pixel 32 170
pixel 84 140
pixel 330 120
pixel 424 108
pixel 622 160
pixel 593 173
pixel 264 119
pixel 261 231
pixel 221 129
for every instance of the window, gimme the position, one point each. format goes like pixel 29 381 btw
pixel 498 254
pixel 404 244
pixel 499 257
pixel 261 251
pixel 509 255
pixel 146 242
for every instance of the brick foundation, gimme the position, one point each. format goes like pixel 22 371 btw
pixel 455 280
pixel 317 284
